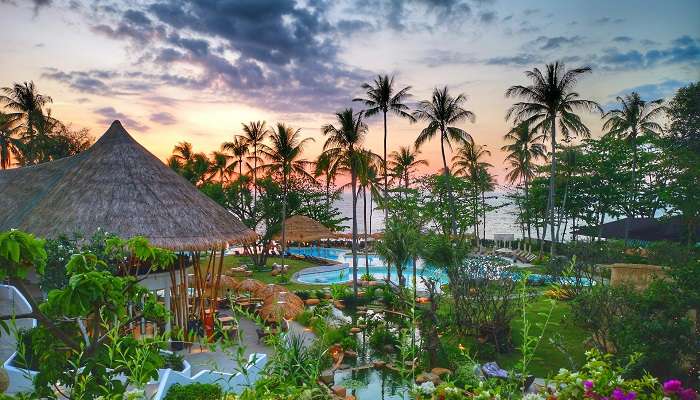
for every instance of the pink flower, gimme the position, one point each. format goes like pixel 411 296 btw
pixel 588 385
pixel 688 394
pixel 672 386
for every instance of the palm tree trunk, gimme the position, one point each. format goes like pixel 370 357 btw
pixel 552 182
pixel 634 186
pixel 449 183
pixel 353 180
pixel 255 175
pixel 483 213
pixel 527 212
pixel 386 182
pixel 563 206
pixel 364 225
pixel 284 217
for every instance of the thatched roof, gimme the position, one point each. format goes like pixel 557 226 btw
pixel 644 229
pixel 301 228
pixel 120 187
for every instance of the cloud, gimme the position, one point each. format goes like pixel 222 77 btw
pixel 109 114
pixel 622 39
pixel 530 11
pixel 487 16
pixel 608 20
pixel 648 92
pixel 556 42
pixel 682 50
pixel 518 60
pixel 163 118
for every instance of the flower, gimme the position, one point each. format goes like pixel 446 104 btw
pixel 688 394
pixel 588 385
pixel 427 387
pixel 619 394
pixel 672 386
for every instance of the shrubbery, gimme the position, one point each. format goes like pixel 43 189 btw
pixel 194 391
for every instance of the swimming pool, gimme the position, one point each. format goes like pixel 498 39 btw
pixel 500 268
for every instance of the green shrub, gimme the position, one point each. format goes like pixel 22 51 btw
pixel 340 335
pixel 194 391
pixel 381 336
pixel 303 294
pixel 282 279
pixel 174 361
pixel 305 317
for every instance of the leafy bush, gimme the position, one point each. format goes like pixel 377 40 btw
pixel 303 294
pixel 282 279
pixel 174 361
pixel 194 391
pixel 382 336
pixel 340 335
pixel 339 292
pixel 305 317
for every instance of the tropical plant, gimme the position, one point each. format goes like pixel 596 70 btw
pixel 549 100
pixel 634 117
pixel 402 163
pixel 368 181
pixel 328 168
pixel 469 162
pixel 9 145
pixel 343 144
pixel 522 151
pixel 220 166
pixel 383 98
pixel 25 104
pixel 441 112
pixel 284 159
pixel 254 133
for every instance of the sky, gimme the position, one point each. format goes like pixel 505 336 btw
pixel 194 70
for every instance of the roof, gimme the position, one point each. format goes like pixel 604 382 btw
pixel 644 229
pixel 120 187
pixel 301 228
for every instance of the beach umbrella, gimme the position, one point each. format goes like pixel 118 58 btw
pixel 229 282
pixel 285 297
pixel 250 285
pixel 275 310
pixel 300 228
pixel 270 289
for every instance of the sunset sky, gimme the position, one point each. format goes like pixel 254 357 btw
pixel 195 70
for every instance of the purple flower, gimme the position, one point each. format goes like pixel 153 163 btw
pixel 619 394
pixel 672 386
pixel 688 394
pixel 588 385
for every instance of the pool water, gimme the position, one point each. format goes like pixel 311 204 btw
pixel 372 384
pixel 377 268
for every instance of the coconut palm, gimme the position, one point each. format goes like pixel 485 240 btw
pixel 284 157
pixel 383 98
pixel 367 178
pixel 220 166
pixel 254 133
pixel 442 112
pixel 523 149
pixel 402 163
pixel 634 117
pixel 238 149
pixel 549 100
pixel 25 103
pixel 469 162
pixel 328 168
pixel 9 144
pixel 343 143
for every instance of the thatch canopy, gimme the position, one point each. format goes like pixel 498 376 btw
pixel 270 289
pixel 644 229
pixel 284 297
pixel 120 187
pixel 301 228
pixel 251 285
pixel 282 306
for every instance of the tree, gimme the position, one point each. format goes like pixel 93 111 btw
pixel 402 163
pixel 192 166
pixel 284 158
pixel 26 105
pixel 468 162
pixel 634 117
pixel 367 177
pixel 342 144
pixel 238 149
pixel 382 98
pixel 220 166
pixel 523 150
pixel 9 145
pixel 254 133
pixel 549 100
pixel 441 113
pixel 328 168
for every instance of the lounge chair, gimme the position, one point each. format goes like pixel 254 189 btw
pixel 491 370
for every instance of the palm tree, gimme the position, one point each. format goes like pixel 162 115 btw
pixel 9 144
pixel 382 98
pixel 634 117
pixel 549 100
pixel 468 162
pixel 254 133
pixel 441 113
pixel 367 177
pixel 329 168
pixel 403 161
pixel 238 148
pixel 284 158
pixel 25 103
pixel 342 144
pixel 524 149
pixel 220 166
pixel 183 152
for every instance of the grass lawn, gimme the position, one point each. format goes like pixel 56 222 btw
pixel 548 359
pixel 266 277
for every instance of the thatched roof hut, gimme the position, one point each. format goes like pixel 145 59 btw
pixel 301 228
pixel 120 187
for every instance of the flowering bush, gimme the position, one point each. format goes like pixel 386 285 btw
pixel 599 379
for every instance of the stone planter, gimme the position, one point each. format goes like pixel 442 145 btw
pixel 637 275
